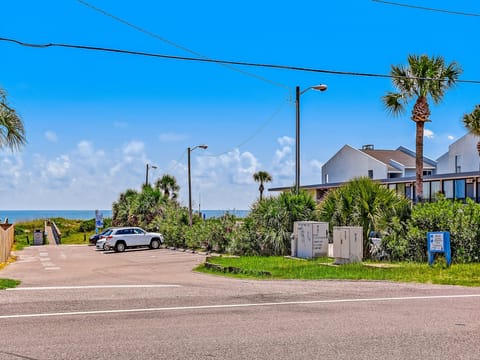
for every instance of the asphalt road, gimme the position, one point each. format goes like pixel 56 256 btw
pixel 77 303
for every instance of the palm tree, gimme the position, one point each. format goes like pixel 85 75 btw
pixel 12 132
pixel 168 185
pixel 261 177
pixel 366 203
pixel 472 123
pixel 424 78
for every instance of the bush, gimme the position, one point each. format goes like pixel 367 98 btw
pixel 366 203
pixel 461 220
pixel 272 221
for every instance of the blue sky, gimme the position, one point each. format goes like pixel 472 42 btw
pixel 95 119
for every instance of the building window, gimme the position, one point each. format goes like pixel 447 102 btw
pixel 435 189
pixel 409 192
pixel 325 179
pixel 460 189
pixel 370 174
pixel 448 189
pixel 427 172
pixel 470 192
pixel 426 190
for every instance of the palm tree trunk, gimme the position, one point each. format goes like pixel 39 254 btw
pixel 420 115
pixel 261 188
pixel 420 126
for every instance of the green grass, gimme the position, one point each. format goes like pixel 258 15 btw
pixel 323 268
pixel 8 283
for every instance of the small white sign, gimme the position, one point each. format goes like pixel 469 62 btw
pixel 436 242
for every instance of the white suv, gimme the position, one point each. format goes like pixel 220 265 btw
pixel 119 239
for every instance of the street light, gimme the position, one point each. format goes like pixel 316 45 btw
pixel 146 172
pixel 190 183
pixel 298 93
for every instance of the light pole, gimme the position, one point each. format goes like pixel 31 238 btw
pixel 298 93
pixel 190 183
pixel 146 172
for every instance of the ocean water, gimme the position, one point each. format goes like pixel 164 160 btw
pixel 14 216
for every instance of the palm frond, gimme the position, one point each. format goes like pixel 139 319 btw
pixel 472 121
pixel 394 103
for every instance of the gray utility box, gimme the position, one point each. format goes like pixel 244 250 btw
pixel 347 244
pixel 310 239
pixel 37 237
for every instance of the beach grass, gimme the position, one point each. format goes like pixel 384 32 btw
pixel 276 267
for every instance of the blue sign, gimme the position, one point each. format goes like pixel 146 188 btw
pixel 98 220
pixel 439 242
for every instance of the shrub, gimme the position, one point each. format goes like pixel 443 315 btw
pixel 272 221
pixel 366 203
pixel 461 220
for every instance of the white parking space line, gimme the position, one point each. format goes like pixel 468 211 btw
pixel 93 287
pixel 231 306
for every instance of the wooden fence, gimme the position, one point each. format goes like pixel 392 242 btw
pixel 7 236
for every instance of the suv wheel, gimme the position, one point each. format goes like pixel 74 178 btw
pixel 120 246
pixel 154 244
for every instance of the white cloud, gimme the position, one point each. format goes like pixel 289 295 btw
pixel 428 134
pixel 85 148
pixel 283 162
pixel 172 137
pixel 51 136
pixel 450 137
pixel 286 141
pixel 58 168
pixel 312 172
pixel 234 167
pixel 134 148
pixel 12 170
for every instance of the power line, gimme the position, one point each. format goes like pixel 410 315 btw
pixel 426 8
pixel 181 47
pixel 241 63
pixel 158 37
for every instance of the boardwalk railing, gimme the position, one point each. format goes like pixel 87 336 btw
pixel 7 236
pixel 57 234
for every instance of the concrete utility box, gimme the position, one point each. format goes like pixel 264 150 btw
pixel 310 239
pixel 347 244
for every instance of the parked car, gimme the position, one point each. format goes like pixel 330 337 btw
pixel 119 239
pixel 100 244
pixel 95 237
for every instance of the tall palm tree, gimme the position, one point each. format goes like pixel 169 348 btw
pixel 168 185
pixel 12 132
pixel 262 177
pixel 472 123
pixel 425 78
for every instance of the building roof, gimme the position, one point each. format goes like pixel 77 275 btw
pixel 399 156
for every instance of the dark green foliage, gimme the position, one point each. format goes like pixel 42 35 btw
pixel 140 208
pixel 363 202
pixel 461 220
pixel 272 221
pixel 173 225
pixel 87 225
